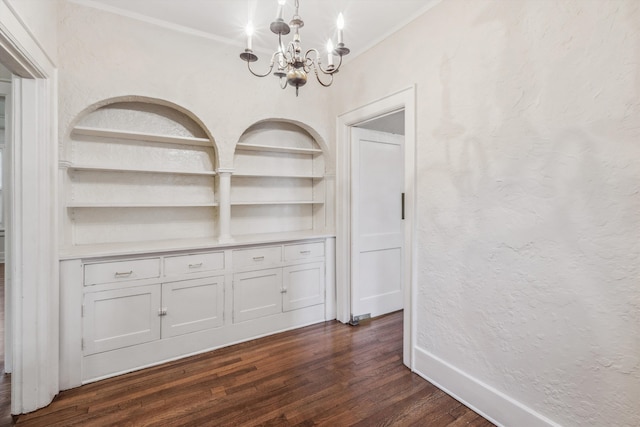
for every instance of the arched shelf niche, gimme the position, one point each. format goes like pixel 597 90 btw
pixel 278 183
pixel 139 170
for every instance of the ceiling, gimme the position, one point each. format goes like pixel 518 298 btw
pixel 367 22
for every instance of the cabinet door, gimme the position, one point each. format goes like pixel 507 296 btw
pixel 120 318
pixel 303 285
pixel 257 294
pixel 192 305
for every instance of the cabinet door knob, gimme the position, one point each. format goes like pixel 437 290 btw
pixel 162 311
pixel 283 290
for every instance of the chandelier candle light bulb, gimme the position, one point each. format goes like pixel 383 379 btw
pixel 279 16
pixel 249 31
pixel 330 53
pixel 340 25
pixel 293 63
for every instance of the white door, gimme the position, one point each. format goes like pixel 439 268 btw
pixel 377 241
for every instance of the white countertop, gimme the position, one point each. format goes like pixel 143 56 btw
pixel 150 247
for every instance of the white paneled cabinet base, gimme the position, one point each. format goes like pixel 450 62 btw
pixel 138 310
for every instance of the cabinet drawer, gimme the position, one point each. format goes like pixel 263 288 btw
pixel 121 271
pixel 257 257
pixel 194 263
pixel 303 251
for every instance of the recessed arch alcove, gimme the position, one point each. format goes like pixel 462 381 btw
pixel 278 184
pixel 139 169
pixel 293 126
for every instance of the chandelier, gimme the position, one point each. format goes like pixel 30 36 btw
pixel 287 62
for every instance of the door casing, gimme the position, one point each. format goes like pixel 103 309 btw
pixel 31 265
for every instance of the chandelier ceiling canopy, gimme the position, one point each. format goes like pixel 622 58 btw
pixel 288 62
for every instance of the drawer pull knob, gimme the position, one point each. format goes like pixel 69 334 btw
pixel 305 252
pixel 198 265
pixel 258 258
pixel 124 273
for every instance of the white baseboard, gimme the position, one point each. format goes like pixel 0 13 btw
pixel 492 404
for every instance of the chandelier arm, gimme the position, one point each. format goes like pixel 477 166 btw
pixel 270 67
pixel 281 45
pixel 315 70
pixel 328 71
pixel 339 64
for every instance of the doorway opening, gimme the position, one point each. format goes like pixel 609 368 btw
pixel 400 105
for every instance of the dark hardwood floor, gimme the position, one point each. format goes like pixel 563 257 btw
pixel 328 374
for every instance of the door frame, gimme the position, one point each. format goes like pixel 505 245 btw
pixel 402 100
pixel 32 220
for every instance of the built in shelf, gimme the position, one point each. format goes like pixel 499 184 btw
pixel 141 205
pixel 257 147
pixel 135 170
pixel 141 136
pixel 260 175
pixel 292 202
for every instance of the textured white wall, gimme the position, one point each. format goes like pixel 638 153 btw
pixel 40 17
pixel 528 185
pixel 528 140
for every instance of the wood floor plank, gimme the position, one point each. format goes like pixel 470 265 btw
pixel 327 374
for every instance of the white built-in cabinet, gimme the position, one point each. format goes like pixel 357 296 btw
pixel 146 276
pixel 125 312
pixel 131 315
pixel 118 311
pixel 260 291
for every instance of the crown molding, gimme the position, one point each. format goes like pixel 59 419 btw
pixel 157 22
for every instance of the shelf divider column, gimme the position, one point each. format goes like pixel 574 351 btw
pixel 224 203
